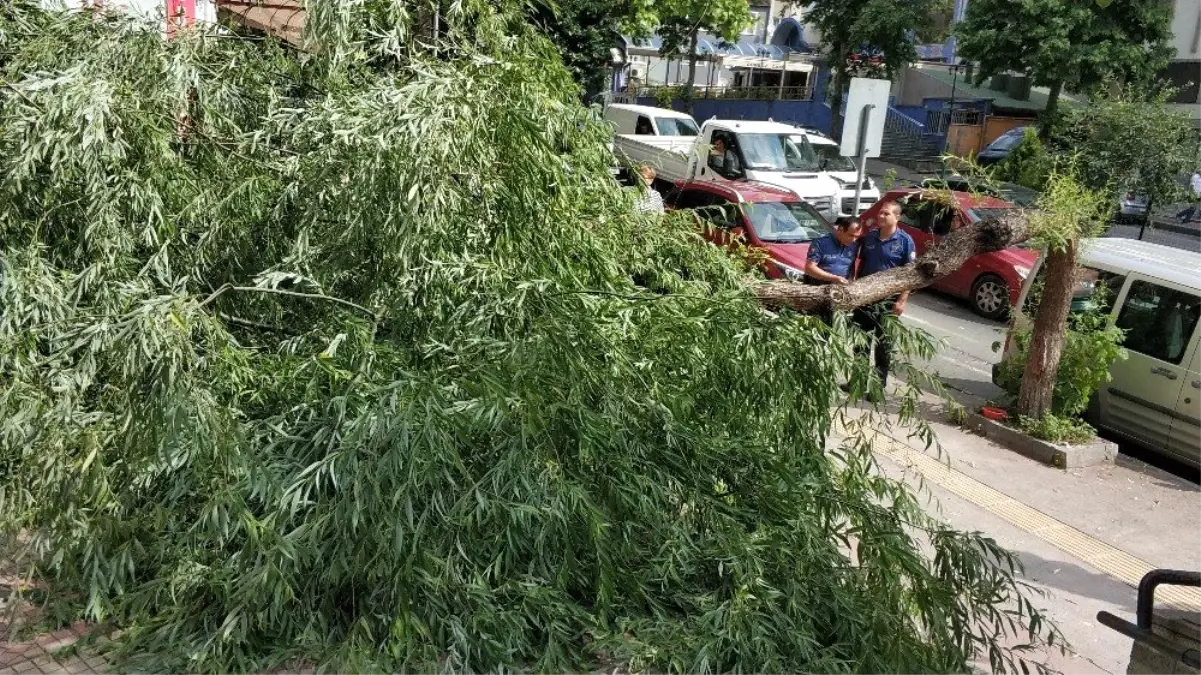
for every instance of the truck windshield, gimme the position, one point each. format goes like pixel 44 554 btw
pixel 676 126
pixel 777 152
pixel 784 223
pixel 831 159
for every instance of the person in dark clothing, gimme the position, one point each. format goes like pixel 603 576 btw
pixel 880 250
pixel 831 257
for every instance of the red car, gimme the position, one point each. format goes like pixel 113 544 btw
pixel 991 282
pixel 767 217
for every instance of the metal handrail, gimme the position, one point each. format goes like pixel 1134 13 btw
pixel 733 92
pixel 1142 631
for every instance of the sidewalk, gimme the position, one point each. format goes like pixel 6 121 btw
pixel 1086 536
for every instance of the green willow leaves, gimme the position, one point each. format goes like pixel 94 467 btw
pixel 337 357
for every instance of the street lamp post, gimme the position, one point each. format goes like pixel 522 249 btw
pixel 946 140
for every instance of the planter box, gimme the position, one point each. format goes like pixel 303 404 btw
pixel 1098 451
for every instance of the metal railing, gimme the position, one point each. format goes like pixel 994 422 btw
pixel 731 92
pixel 938 121
pixel 905 136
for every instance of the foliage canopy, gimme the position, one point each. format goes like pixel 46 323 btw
pixel 336 357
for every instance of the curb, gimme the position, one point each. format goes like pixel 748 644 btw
pixel 1098 451
pixel 1175 227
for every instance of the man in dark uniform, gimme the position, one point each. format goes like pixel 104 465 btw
pixel 831 258
pixel 879 250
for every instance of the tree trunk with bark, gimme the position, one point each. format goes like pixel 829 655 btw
pixel 838 79
pixel 1051 109
pixel 688 93
pixel 990 234
pixel 1046 340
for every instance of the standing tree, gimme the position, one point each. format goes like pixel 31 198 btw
pixel 350 370
pixel 885 25
pixel 680 23
pixel 584 32
pixel 1065 43
pixel 1129 142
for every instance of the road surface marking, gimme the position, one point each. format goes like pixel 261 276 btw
pixel 1090 550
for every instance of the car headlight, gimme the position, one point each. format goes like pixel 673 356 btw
pixel 1023 272
pixel 790 273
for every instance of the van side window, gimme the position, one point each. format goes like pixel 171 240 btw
pixel 1095 290
pixel 1159 321
pixel 643 126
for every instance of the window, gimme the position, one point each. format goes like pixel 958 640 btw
pixel 723 157
pixel 1159 321
pixel 691 199
pixel 1095 290
pixel 643 126
pixel 928 216
pixel 778 152
pixel 829 156
pixel 785 223
pixel 676 126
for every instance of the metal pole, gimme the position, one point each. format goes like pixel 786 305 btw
pixel 946 141
pixel 783 72
pixel 864 120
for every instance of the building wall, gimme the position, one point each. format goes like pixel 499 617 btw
pixel 1186 30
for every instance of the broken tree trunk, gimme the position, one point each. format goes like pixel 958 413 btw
pixel 990 234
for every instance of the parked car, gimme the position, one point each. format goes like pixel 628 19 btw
pixel 1010 192
pixel 990 282
pixel 1132 208
pixel 1154 293
pixel 763 216
pixel 842 169
pixel 728 151
pixel 1001 146
pixel 648 121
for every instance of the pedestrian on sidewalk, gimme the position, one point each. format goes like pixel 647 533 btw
pixel 1189 212
pixel 883 249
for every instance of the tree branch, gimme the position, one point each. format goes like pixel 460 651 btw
pixel 990 234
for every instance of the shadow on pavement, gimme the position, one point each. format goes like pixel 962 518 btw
pixel 1077 580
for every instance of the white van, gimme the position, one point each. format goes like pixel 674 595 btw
pixel 647 121
pixel 1154 293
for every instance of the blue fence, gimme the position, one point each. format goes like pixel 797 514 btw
pixel 809 113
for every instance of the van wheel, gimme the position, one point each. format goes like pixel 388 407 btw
pixel 990 297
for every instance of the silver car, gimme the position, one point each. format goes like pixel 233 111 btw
pixel 1132 208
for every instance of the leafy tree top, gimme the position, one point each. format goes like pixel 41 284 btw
pixel 1080 44
pixel 887 25
pixel 338 357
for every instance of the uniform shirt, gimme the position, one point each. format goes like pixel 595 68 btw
pixel 885 254
pixel 832 256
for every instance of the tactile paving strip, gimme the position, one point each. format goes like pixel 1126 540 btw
pixel 1096 553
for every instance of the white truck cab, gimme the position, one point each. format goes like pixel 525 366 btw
pixel 842 169
pixel 733 150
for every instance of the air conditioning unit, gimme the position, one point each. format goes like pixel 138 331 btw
pixel 636 72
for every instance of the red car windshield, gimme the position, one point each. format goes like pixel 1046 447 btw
pixel 784 223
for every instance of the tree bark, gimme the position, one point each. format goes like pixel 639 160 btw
pixel 991 234
pixel 691 70
pixel 1046 340
pixel 1051 110
pixel 837 82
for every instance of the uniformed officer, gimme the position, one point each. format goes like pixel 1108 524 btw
pixel 879 250
pixel 831 258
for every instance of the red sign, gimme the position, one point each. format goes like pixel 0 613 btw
pixel 180 14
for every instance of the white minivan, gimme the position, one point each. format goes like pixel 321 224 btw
pixel 1153 292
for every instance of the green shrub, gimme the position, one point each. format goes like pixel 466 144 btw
pixel 1057 429
pixel 1028 164
pixel 1090 346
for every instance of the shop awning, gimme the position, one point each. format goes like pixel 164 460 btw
pixel 281 18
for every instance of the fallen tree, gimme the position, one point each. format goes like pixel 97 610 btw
pixel 336 358
pixel 989 234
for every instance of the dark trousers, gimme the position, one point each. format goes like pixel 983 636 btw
pixel 871 320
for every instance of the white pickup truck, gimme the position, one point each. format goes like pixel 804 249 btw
pixel 730 150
